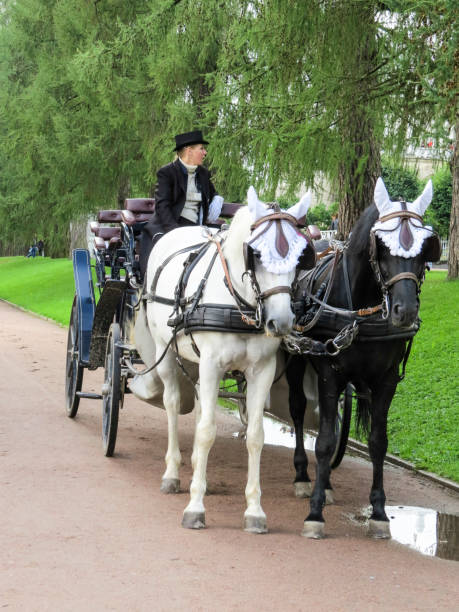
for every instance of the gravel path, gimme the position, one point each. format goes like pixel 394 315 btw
pixel 83 532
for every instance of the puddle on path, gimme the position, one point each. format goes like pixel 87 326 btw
pixel 431 533
pixel 276 432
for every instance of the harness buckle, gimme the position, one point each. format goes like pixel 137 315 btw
pixel 385 306
pixel 331 347
pixel 174 321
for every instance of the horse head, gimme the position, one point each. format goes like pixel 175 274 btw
pixel 400 247
pixel 267 244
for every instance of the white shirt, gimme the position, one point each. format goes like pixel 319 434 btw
pixel 193 200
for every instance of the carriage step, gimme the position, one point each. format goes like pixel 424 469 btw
pixel 125 347
pixel 88 395
pixel 231 395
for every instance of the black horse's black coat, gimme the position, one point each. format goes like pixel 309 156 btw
pixel 371 366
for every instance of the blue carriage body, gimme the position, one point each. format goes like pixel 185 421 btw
pixel 86 303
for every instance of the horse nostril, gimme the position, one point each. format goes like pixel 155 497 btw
pixel 272 327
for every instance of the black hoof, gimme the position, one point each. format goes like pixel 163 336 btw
pixel 255 524
pixel 313 530
pixel 380 530
pixel 170 485
pixel 194 520
pixel 302 489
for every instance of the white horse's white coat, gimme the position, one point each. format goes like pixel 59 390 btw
pixel 254 354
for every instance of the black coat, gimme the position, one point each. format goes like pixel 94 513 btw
pixel 170 197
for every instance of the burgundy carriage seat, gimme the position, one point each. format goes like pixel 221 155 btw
pixel 315 232
pixel 106 237
pixel 136 212
pixel 140 205
pixel 131 217
pixel 109 216
pixel 229 209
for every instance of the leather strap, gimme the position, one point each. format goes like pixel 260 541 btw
pixel 401 214
pixel 244 317
pixel 275 217
pixel 274 290
pixel 402 276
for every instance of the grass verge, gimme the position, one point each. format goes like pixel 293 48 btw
pixel 42 285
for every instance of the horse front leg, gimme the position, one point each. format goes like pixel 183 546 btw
pixel 205 432
pixel 259 381
pixel 377 446
pixel 297 406
pixel 325 444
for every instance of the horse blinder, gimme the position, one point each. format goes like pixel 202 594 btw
pixel 308 258
pixel 249 258
pixel 432 248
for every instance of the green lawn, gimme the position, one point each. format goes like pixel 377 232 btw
pixel 423 419
pixel 42 285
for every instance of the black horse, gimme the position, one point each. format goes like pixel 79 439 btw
pixel 371 291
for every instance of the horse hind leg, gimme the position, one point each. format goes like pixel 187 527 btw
pixel 170 482
pixel 297 405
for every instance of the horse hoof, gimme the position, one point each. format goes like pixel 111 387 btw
pixel 313 529
pixel 255 524
pixel 170 485
pixel 379 530
pixel 302 489
pixel 194 520
pixel 329 499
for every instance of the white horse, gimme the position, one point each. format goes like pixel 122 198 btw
pixel 274 245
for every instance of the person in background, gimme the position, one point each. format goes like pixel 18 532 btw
pixel 33 250
pixel 41 248
pixel 184 194
pixel 334 222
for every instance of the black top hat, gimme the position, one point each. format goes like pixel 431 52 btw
pixel 188 139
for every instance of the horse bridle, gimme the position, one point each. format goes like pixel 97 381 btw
pixel 249 257
pixel 249 268
pixel 384 284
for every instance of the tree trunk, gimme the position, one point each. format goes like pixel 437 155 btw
pixel 124 191
pixel 357 175
pixel 453 257
pixel 360 163
pixel 78 234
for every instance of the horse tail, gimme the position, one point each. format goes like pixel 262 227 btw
pixel 363 416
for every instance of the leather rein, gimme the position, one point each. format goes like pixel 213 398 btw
pixel 374 262
pixel 249 266
pixel 217 239
pixel 385 285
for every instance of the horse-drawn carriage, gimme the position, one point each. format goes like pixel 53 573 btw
pixel 244 279
pixel 99 329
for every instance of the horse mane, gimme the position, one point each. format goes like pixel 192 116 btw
pixel 238 232
pixel 360 234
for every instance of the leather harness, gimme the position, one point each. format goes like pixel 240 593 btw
pixel 367 324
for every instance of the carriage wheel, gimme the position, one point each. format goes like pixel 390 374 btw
pixel 111 390
pixel 73 368
pixel 342 425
